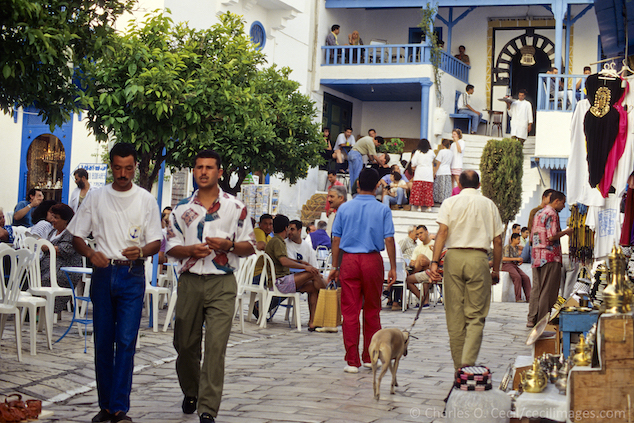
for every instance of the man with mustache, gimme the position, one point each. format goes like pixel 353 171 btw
pixel 124 220
pixel 83 187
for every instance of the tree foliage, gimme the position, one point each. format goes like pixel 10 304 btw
pixel 501 169
pixel 172 91
pixel 41 42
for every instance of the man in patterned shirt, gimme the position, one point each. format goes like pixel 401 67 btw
pixel 208 233
pixel 546 254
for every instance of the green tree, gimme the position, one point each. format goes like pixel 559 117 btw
pixel 501 169
pixel 172 91
pixel 41 43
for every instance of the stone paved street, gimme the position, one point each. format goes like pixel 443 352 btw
pixel 272 375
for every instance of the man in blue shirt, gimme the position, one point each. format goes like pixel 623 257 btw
pixel 24 209
pixel 362 228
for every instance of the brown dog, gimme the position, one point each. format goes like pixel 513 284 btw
pixel 387 345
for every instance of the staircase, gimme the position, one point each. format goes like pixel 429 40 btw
pixel 472 154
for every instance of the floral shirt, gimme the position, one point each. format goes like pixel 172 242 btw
pixel 545 225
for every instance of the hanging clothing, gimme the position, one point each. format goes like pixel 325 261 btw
pixel 618 148
pixel 601 123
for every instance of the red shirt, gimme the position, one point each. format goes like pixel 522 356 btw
pixel 545 225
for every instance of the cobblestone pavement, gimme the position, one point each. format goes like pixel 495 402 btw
pixel 272 375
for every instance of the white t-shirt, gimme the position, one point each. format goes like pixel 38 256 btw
pixel 457 157
pixel 445 157
pixel 464 100
pixel 424 163
pixel 118 220
pixel 303 251
pixel 342 140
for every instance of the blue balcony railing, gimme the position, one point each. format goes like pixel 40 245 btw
pixel 392 54
pixel 560 93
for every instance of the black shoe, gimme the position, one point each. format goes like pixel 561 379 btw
pixel 189 404
pixel 120 417
pixel 207 418
pixel 102 416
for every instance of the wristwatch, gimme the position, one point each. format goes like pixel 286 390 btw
pixel 233 247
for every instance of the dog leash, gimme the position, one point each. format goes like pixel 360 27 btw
pixel 420 308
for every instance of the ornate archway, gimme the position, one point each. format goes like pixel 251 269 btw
pixel 502 69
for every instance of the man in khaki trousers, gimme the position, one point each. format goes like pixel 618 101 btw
pixel 468 223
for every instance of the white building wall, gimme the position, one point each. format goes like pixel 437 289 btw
pixel 10 161
pixel 392 119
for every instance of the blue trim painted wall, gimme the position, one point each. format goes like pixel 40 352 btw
pixel 32 127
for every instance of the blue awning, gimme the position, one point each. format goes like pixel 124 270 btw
pixel 549 162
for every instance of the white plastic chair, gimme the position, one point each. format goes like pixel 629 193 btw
pixel 19 262
pixel 293 298
pixel 172 279
pixel 20 233
pixel 35 276
pixel 258 292
pixel 155 292
pixel 242 281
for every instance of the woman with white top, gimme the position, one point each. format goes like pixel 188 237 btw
pixel 457 148
pixel 442 168
pixel 422 163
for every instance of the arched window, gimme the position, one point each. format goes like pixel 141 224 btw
pixel 258 35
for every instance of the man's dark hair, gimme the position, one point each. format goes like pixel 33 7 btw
pixel 379 139
pixel 587 68
pixel 332 172
pixel 334 27
pixel 322 225
pixel 514 236
pixel 40 211
pixel 209 154
pixel 469 87
pixel 524 228
pixel 548 192
pixel 557 195
pixel 123 149
pixel 167 208
pixel 469 179
pixel 554 68
pixel 397 175
pixel 421 227
pixel 297 223
pixel 370 130
pixel 368 178
pixel 63 211
pixel 81 172
pixel 515 225
pixel 325 129
pixel 265 216
pixel 280 223
pixel 463 47
pixel 31 193
pixel 347 128
pixel 523 91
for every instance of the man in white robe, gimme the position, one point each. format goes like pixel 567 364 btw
pixel 521 113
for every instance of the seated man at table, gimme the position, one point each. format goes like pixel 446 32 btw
pixel 345 139
pixel 309 280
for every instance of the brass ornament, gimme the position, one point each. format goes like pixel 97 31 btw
pixel 617 296
pixel 601 105
pixel 534 380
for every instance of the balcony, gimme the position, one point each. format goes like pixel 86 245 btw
pixel 559 93
pixel 391 55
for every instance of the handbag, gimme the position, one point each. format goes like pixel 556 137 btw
pixel 12 411
pixel 328 309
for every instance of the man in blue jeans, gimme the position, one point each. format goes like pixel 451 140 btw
pixel 124 220
pixel 464 107
pixel 364 146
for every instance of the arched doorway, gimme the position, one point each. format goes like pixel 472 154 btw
pixel 45 160
pixel 510 72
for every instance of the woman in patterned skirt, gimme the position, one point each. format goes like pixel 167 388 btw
pixel 422 163
pixel 442 168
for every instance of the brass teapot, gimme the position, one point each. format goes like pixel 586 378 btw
pixel 562 377
pixel 583 354
pixel 617 295
pixel 534 380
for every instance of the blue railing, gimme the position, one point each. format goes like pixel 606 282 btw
pixel 559 93
pixel 392 54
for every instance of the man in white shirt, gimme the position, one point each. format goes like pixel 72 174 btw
pixel 346 139
pixel 208 233
pixel 124 220
pixel 521 113
pixel 464 107
pixel 297 248
pixel 83 187
pixel 468 224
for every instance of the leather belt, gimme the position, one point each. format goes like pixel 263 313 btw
pixel 476 249
pixel 129 263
